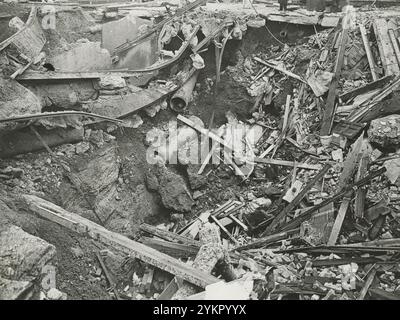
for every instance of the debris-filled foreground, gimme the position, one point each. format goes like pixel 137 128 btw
pixel 213 151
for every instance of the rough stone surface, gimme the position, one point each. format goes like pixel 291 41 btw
pixel 111 82
pixel 55 294
pixel 173 191
pixel 385 131
pixel 22 256
pixel 196 181
pixel 16 100
pixel 12 289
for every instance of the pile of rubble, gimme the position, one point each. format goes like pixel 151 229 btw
pixel 223 151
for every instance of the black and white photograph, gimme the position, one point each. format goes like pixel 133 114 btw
pixel 196 157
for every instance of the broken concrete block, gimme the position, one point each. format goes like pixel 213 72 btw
pixel 16 24
pixel 111 82
pixel 16 100
pixel 235 290
pixel 173 191
pixel 385 131
pixel 393 170
pixel 55 294
pixel 22 256
pixel 83 56
pixel 196 181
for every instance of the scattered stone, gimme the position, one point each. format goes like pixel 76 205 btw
pixel 55 294
pixel 111 82
pixel 385 131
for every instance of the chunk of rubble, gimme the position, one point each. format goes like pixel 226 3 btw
pixel 55 294
pixel 111 82
pixel 16 100
pixel 385 131
pixel 23 256
pixel 172 189
pixel 13 290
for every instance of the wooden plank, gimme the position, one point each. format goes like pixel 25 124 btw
pixel 288 163
pixel 395 44
pixel 278 68
pixel 361 193
pixel 380 83
pixel 387 53
pixel 339 221
pixel 167 235
pixel 56 75
pixel 138 250
pixel 305 215
pixel 173 249
pixel 296 201
pixel 330 104
pixel 367 48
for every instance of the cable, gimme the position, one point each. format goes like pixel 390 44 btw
pixel 255 10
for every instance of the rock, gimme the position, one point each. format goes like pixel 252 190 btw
pixel 197 194
pixel 96 28
pixel 16 100
pixel 55 294
pixel 16 24
pixel 82 147
pixel 385 131
pixel 111 82
pixel 13 290
pixel 173 191
pixel 155 137
pixel 151 181
pixel 196 181
pixel 151 111
pixel 393 170
pixel 22 256
pixel 77 252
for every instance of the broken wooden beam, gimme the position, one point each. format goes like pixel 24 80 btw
pixel 277 68
pixel 86 227
pixel 173 249
pixel 296 201
pixel 367 284
pixel 395 44
pixel 167 235
pixel 380 83
pixel 330 104
pixel 386 51
pixel 262 242
pixel 367 48
pixel 59 75
pixel 339 220
pixel 305 215
pixel 287 163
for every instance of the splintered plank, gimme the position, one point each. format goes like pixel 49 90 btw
pixel 168 236
pixel 296 201
pixel 386 51
pixel 330 104
pixel 370 57
pixel 138 250
pixel 349 167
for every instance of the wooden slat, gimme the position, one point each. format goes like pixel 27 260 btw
pixel 370 57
